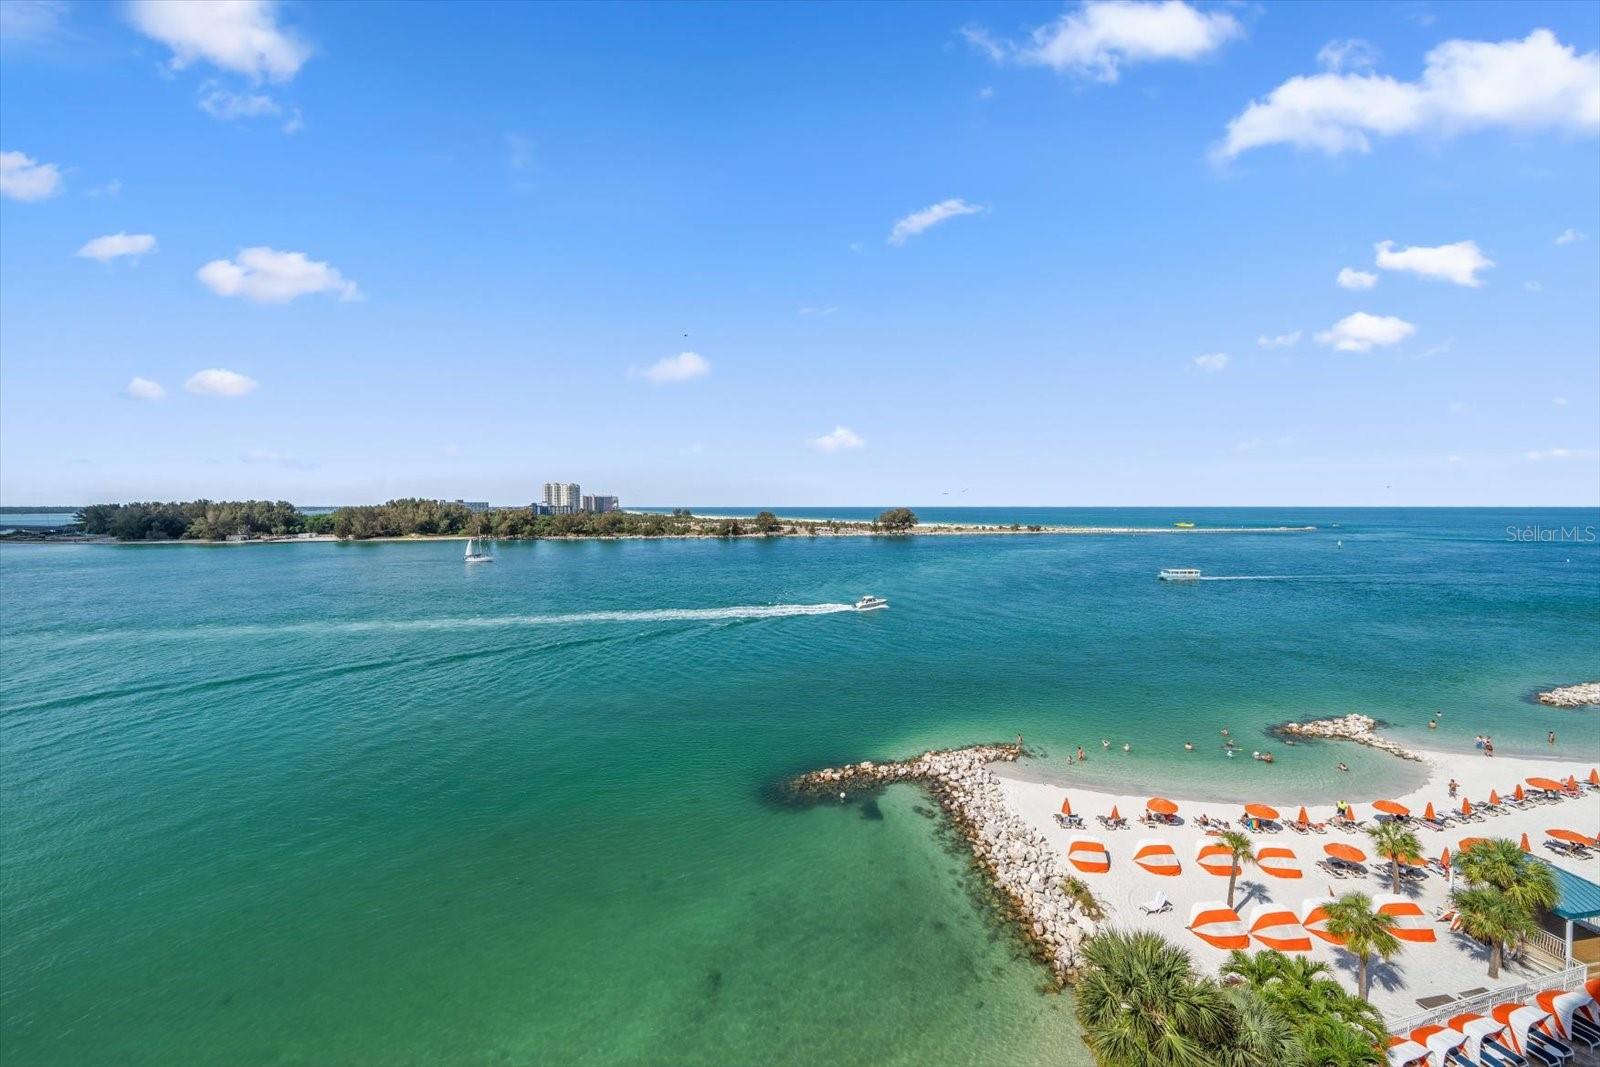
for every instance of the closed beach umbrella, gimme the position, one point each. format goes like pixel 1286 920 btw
pixel 1523 845
pixel 1572 781
pixel 1571 835
pixel 1303 819
pixel 1114 815
pixel 1391 807
pixel 1466 806
pixel 1444 858
pixel 1161 806
pixel 1594 775
pixel 1066 805
pixel 1341 851
pixel 1261 811
pixel 1545 783
pixel 1518 794
pixel 1427 813
pixel 1494 798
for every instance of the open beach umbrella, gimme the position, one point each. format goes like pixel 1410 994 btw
pixel 1314 917
pixel 1303 819
pixel 1261 811
pixel 1572 836
pixel 1275 926
pixel 1161 806
pixel 1066 805
pixel 1157 857
pixel 1215 858
pixel 1468 842
pixel 1341 851
pixel 1391 807
pixel 1089 855
pixel 1427 813
pixel 1518 794
pixel 1218 926
pixel 1278 861
pixel 1409 922
pixel 1523 844
pixel 1546 783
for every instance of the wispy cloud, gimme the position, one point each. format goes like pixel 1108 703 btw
pixel 1356 279
pixel 1361 332
pixel 841 437
pixel 1100 37
pixel 929 217
pixel 31 21
pixel 1538 455
pixel 1212 362
pixel 1569 236
pixel 24 178
pixel 219 382
pixel 1281 340
pixel 679 368
pixel 1352 53
pixel 1458 263
pixel 268 276
pixel 829 309
pixel 116 245
pixel 242 36
pixel 1534 83
pixel 144 389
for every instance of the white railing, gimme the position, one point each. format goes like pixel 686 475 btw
pixel 1549 944
pixel 1522 992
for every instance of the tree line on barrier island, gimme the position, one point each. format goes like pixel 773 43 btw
pixel 216 520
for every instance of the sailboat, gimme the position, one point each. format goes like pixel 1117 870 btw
pixel 475 554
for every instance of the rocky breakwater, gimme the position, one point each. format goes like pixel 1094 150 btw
pixel 1024 868
pixel 1572 696
pixel 1362 729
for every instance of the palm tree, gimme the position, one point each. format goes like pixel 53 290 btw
pixel 1258 969
pixel 1142 1004
pixel 1397 845
pixel 1528 883
pixel 1490 915
pixel 1364 931
pixel 1260 1035
pixel 1328 1044
pixel 1243 851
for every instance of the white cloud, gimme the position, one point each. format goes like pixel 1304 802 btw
pixel 1212 362
pixel 1458 263
pixel 1559 453
pixel 268 276
pixel 841 437
pixel 112 245
pixel 678 368
pixel 24 178
pixel 1535 83
pixel 31 21
pixel 144 389
pixel 828 309
pixel 1356 279
pixel 227 105
pixel 218 382
pixel 1353 53
pixel 986 93
pixel 238 35
pixel 1568 236
pixel 1281 340
pixel 929 217
pixel 1102 36
pixel 1360 332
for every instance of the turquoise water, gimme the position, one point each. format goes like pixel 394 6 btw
pixel 319 803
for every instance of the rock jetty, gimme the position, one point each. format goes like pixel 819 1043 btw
pixel 1362 729
pixel 1572 696
pixel 1020 863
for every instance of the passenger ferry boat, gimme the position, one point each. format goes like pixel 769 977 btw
pixel 1179 574
pixel 871 603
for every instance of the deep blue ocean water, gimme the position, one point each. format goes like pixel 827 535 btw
pixel 360 803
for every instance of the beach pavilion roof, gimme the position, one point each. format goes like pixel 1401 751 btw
pixel 1580 898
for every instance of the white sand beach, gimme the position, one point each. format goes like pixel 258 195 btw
pixel 1452 964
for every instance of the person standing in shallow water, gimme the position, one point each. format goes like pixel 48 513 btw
pixel 1552 737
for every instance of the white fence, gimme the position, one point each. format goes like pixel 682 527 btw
pixel 1523 992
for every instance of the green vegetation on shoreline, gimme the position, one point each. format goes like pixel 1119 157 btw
pixel 209 520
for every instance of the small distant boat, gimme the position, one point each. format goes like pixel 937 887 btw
pixel 1184 525
pixel 871 603
pixel 475 554
pixel 1179 574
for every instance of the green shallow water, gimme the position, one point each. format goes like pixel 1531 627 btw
pixel 361 804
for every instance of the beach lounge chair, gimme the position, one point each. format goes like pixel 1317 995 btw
pixel 1488 1042
pixel 1403 1052
pixel 1532 1033
pixel 1156 906
pixel 1440 1041
pixel 1563 1006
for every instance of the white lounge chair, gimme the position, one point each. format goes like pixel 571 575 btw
pixel 1156 906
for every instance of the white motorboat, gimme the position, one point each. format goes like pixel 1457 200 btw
pixel 475 554
pixel 1179 574
pixel 871 603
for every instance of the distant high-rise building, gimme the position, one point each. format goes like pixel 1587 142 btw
pixel 601 504
pixel 563 498
pixel 473 506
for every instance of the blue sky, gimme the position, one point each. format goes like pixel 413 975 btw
pixel 1031 251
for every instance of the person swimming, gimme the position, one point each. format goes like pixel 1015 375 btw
pixel 1188 746
pixel 1344 767
pixel 1126 747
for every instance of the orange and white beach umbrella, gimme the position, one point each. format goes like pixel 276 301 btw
pixel 1214 858
pixel 1278 861
pixel 1161 806
pixel 1572 836
pixel 1218 926
pixel 1341 851
pixel 1314 917
pixel 1157 857
pixel 1409 922
pixel 1261 811
pixel 1066 805
pixel 1391 807
pixel 1275 926
pixel 1089 855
